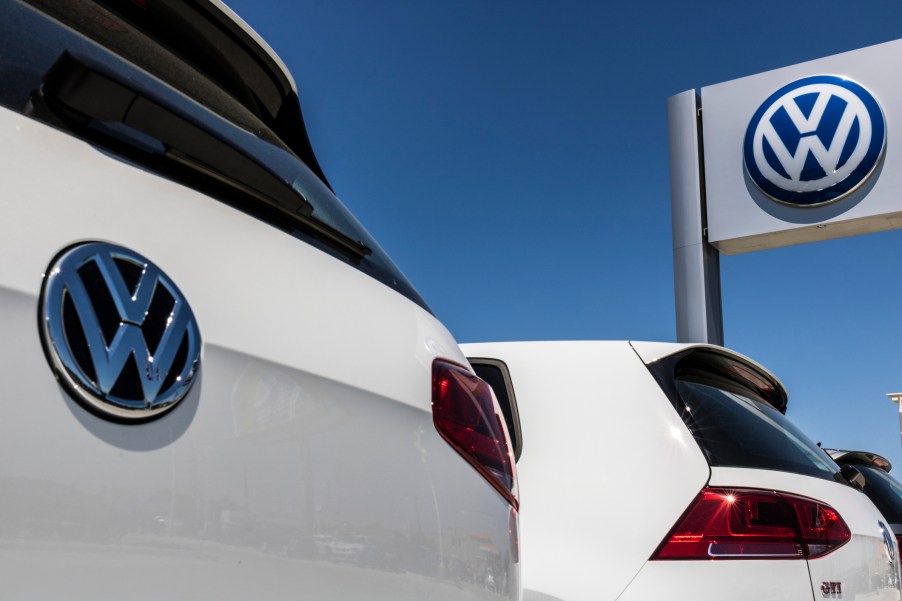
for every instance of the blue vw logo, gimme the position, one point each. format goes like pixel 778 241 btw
pixel 118 332
pixel 814 141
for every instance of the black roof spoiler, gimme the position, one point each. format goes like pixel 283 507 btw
pixel 860 458
pixel 213 40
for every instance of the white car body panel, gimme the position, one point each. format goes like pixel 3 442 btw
pixel 310 418
pixel 747 580
pixel 588 524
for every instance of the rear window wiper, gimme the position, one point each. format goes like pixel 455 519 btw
pixel 81 95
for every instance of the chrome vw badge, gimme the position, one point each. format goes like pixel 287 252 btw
pixel 888 541
pixel 814 141
pixel 118 332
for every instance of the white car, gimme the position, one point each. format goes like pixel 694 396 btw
pixel 216 384
pixel 880 487
pixel 669 471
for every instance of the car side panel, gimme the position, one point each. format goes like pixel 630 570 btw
pixel 607 466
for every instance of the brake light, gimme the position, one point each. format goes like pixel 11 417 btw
pixel 468 417
pixel 726 523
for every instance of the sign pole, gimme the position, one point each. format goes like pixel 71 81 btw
pixel 696 264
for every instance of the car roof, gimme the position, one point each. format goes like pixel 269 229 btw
pixel 860 458
pixel 648 352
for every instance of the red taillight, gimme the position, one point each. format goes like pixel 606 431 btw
pixel 467 415
pixel 727 523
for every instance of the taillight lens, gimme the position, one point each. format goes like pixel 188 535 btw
pixel 727 523
pixel 467 415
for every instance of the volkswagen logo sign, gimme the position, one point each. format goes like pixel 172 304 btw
pixel 118 332
pixel 814 141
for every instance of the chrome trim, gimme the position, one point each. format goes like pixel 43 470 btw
pixel 155 366
pixel 710 554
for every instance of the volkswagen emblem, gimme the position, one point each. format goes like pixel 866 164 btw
pixel 888 541
pixel 118 332
pixel 814 141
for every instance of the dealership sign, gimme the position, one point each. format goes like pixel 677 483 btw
pixel 799 154
pixel 803 153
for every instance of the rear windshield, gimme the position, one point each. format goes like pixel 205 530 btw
pixel 733 410
pixel 737 431
pixel 884 491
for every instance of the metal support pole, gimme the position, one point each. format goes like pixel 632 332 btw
pixel 896 397
pixel 696 264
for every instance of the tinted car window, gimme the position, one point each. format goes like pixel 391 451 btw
pixel 884 491
pixel 734 430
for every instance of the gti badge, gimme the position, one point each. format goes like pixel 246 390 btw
pixel 118 332
pixel 814 141
pixel 831 589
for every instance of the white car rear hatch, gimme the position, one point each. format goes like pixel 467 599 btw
pixel 773 494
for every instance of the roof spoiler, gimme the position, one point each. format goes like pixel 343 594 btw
pixel 719 367
pixel 208 36
pixel 860 458
pixel 717 362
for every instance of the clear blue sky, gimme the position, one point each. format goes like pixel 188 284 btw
pixel 512 159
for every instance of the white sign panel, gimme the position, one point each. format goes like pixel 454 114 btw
pixel 805 153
